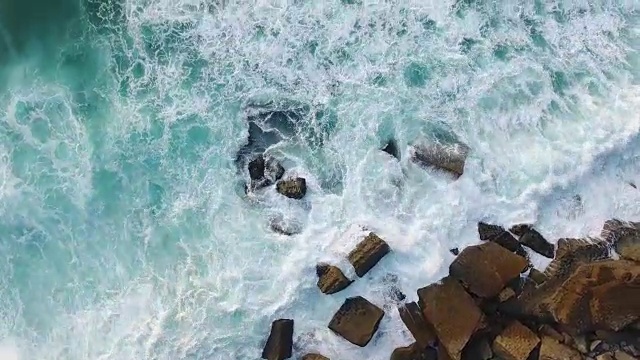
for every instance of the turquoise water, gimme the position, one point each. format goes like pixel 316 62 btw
pixel 123 225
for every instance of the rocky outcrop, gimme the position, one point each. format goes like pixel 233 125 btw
pixel 331 279
pixel 519 229
pixel 357 320
pixel 256 167
pixel 263 172
pixel 571 253
pixel 489 231
pixel 538 276
pixel 314 357
pixel 414 352
pixel 391 148
pixel 448 158
pixel 515 342
pixel 486 269
pixel 295 188
pixel 280 341
pixel 500 236
pixel 452 313
pixel 551 349
pixel 367 253
pixel 422 332
pixel 536 242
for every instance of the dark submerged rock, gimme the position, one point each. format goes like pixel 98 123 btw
pixel 520 229
pixel 314 357
pixel 331 279
pixel 454 251
pixel 391 148
pixel 536 242
pixel 280 342
pixel 292 188
pixel 500 236
pixel 274 170
pixel 422 332
pixel 367 253
pixel 489 231
pixel 357 320
pixel 281 226
pixel 256 167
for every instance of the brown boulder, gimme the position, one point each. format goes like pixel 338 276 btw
pixel 536 242
pixel 571 253
pixel 331 279
pixel 280 341
pixel 414 352
pixel 412 316
pixel 625 237
pixel 356 320
pixel 486 269
pixel 367 253
pixel 452 313
pixel 314 357
pixel 553 350
pixel 292 188
pixel 515 342
pixel 538 276
pixel 449 158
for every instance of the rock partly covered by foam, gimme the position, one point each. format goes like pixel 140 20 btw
pixel 357 320
pixel 452 312
pixel 423 332
pixel 367 253
pixel 391 148
pixel 331 279
pixel 536 242
pixel 500 236
pixel 264 171
pixel 314 357
pixel 487 268
pixel 414 352
pixel 449 158
pixel 295 188
pixel 280 341
pixel 256 167
pixel 625 237
pixel 515 342
pixel 489 231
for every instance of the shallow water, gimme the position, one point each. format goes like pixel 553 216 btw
pixel 126 234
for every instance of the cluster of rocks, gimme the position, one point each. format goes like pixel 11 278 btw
pixel 265 171
pixel 495 305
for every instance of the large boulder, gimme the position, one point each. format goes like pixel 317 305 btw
pixel 331 279
pixel 536 242
pixel 357 320
pixel 452 312
pixel 487 268
pixel 414 352
pixel 551 349
pixel 515 342
pixel 295 188
pixel 449 158
pixel 367 253
pixel 571 253
pixel 423 332
pixel 280 341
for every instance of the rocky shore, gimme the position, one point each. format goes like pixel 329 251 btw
pixel 494 305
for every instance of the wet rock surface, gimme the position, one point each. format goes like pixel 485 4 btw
pixel 391 148
pixel 357 320
pixel 314 357
pixel 280 342
pixel 367 253
pixel 295 188
pixel 536 242
pixel 515 342
pixel 414 320
pixel 331 279
pixel 414 352
pixel 448 158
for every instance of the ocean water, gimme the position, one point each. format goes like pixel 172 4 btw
pixel 124 229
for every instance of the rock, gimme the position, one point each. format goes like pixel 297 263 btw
pixel 515 342
pixel 520 229
pixel 273 170
pixel 506 294
pixel 391 148
pixel 292 188
pixel 452 313
pixel 449 158
pixel 357 320
pixel 477 349
pixel 600 295
pixel 367 253
pixel 256 167
pixel 621 355
pixel 537 276
pixel 606 356
pixel 625 237
pixel 547 330
pixel 280 341
pixel 596 345
pixel 413 318
pixel 331 279
pixel 536 242
pixel 486 269
pixel 414 352
pixel 489 231
pixel 571 253
pixel 281 226
pixel 314 357
pixel 553 350
pixel 392 292
pixel 454 251
pixel 579 343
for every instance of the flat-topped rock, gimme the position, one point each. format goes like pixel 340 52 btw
pixel 550 349
pixel 515 342
pixel 367 253
pixel 448 158
pixel 414 352
pixel 331 279
pixel 314 357
pixel 452 313
pixel 536 242
pixel 280 341
pixel 295 188
pixel 487 268
pixel 357 320
pixel 412 316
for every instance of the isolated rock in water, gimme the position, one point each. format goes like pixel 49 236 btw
pixel 273 170
pixel 314 357
pixel 357 320
pixel 553 350
pixel 391 148
pixel 454 251
pixel 536 242
pixel 280 342
pixel 423 332
pixel 515 342
pixel 487 268
pixel 452 312
pixel 285 227
pixel 367 253
pixel 256 167
pixel 449 158
pixel 489 231
pixel 414 352
pixel 292 188
pixel 331 279
pixel 520 229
